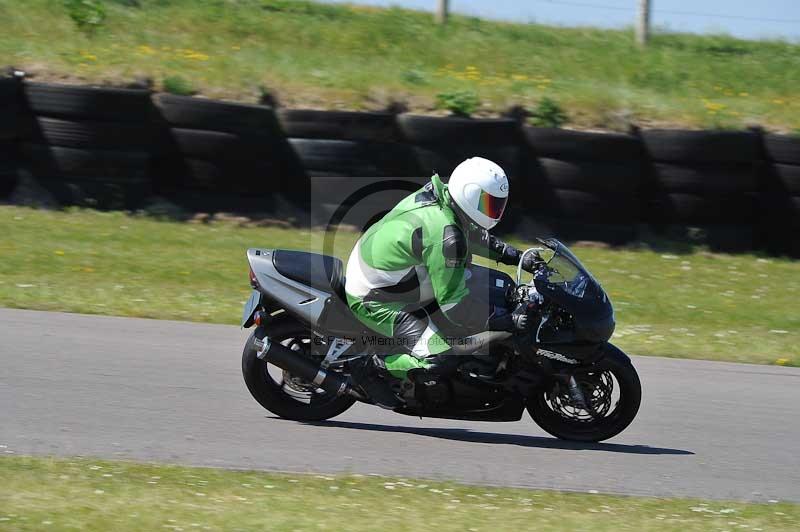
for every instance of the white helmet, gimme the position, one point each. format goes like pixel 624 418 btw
pixel 479 188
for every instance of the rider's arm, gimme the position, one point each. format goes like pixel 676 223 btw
pixel 445 258
pixel 491 247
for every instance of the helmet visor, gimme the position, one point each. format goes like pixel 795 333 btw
pixel 491 206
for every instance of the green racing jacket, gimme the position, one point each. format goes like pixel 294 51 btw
pixel 416 254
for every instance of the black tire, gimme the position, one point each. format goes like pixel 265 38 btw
pixel 783 148
pixel 444 159
pixel 255 178
pixel 617 177
pixel 781 224
pixel 273 396
pixel 12 124
pixel 697 209
pixel 784 178
pixel 570 145
pixel 454 132
pixel 9 169
pixel 709 179
pixel 213 145
pixel 356 159
pixel 701 146
pixel 10 109
pixel 99 164
pixel 92 135
pixel 617 420
pixel 9 91
pixel 201 113
pixel 614 234
pixel 88 103
pixel 338 125
pixel 589 207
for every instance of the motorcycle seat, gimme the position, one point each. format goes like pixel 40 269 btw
pixel 322 272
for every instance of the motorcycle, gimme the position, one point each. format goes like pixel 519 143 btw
pixel 572 381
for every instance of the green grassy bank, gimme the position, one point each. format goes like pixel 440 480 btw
pixel 331 56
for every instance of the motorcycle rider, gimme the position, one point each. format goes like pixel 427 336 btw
pixel 418 253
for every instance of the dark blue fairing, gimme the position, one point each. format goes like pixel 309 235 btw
pixel 565 282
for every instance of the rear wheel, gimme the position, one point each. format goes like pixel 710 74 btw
pixel 613 394
pixel 278 390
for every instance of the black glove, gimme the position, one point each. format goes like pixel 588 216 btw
pixel 519 320
pixel 529 262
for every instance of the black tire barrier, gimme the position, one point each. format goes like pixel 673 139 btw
pixel 622 178
pixel 91 135
pixel 98 164
pixel 214 115
pixel 453 131
pixel 204 151
pixel 708 178
pixel 339 125
pixel 701 146
pixel 354 158
pixel 88 103
pixel 782 148
pixel 570 145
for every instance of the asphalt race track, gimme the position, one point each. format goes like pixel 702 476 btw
pixel 173 392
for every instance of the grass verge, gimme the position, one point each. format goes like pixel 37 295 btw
pixel 42 493
pixel 330 56
pixel 693 305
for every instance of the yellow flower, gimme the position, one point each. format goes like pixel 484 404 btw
pixel 59 252
pixel 519 77
pixel 778 101
pixel 782 361
pixel 236 47
pixel 144 49
pixel 190 54
pixel 744 94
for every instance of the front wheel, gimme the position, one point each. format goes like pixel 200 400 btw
pixel 279 391
pixel 613 394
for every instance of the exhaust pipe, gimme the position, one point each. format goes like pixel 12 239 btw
pixel 289 360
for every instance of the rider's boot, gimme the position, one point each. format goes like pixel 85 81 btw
pixel 371 375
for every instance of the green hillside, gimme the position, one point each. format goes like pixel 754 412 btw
pixel 324 56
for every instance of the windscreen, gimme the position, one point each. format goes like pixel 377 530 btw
pixel 565 271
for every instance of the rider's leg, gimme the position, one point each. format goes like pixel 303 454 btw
pixel 369 374
pixel 421 338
